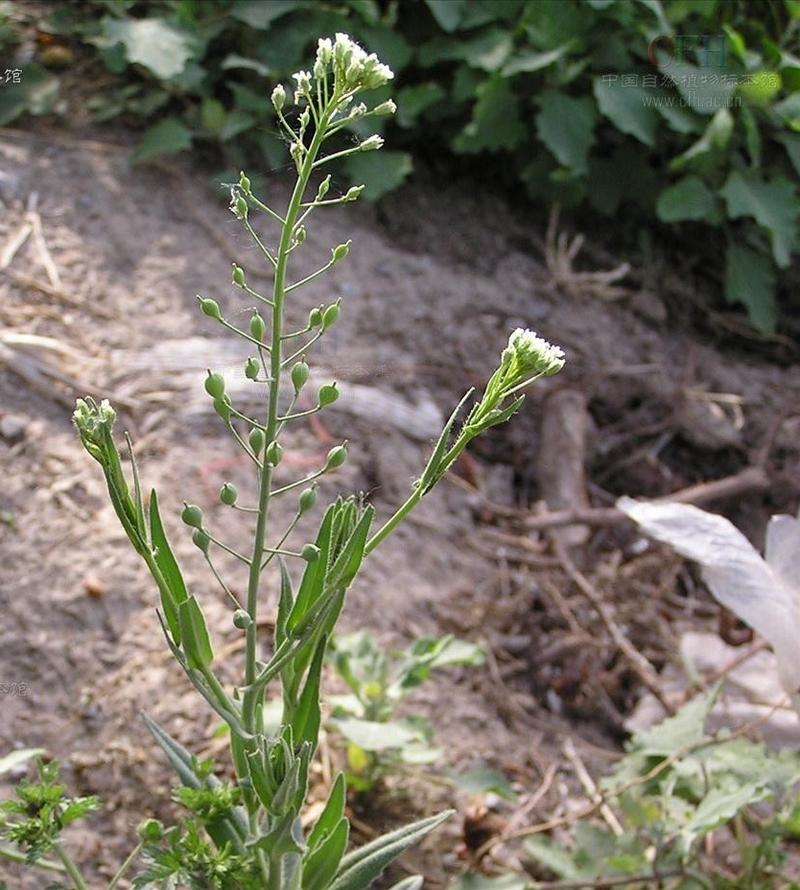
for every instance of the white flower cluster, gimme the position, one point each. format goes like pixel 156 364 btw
pixel 353 68
pixel 527 353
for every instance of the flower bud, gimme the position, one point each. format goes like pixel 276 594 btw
pixel 340 252
pixel 215 385
pixel 300 234
pixel 353 193
pixel 192 515
pixel 257 327
pixel 251 368
pixel 330 316
pixel 223 408
pixel 210 308
pixel 310 552
pixel 306 500
pixel 150 830
pixel 315 317
pixel 201 540
pixel 387 107
pixel 328 394
pixel 336 457
pixel 323 187
pixel 305 119
pixel 256 440
pixel 278 97
pixel 242 619
pixel 299 375
pixel 274 453
pixel 228 494
pixel 371 144
pixel 238 276
pixel 244 181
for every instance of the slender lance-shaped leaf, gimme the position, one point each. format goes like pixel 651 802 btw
pixel 312 585
pixel 307 716
pixel 331 814
pixel 360 868
pixel 320 865
pixel 194 634
pixel 175 592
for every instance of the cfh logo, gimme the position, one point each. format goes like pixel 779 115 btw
pixel 709 49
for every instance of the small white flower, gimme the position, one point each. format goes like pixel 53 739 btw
pixel 324 51
pixel 278 97
pixel 527 353
pixel 764 593
pixel 371 144
pixel 387 107
pixel 303 79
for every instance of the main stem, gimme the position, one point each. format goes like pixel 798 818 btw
pixel 271 426
pixel 70 867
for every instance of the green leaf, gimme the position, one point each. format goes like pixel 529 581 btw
pixel 331 814
pixel 167 137
pixel 448 13
pixel 688 199
pixel 176 592
pixel 380 172
pixel 194 634
pixel 554 857
pixel 321 864
pixel 15 758
pixel 361 867
pixel 709 145
pixel 625 107
pixel 234 60
pixel 259 14
pixel 373 736
pixel 565 125
pixel 154 43
pixel 412 101
pixel 473 881
pixel 496 121
pixel 697 89
pixel 306 718
pixel 487 50
pixel 751 280
pixel 485 780
pixel 37 93
pixel 760 87
pixel 527 60
pixel 718 807
pixel 752 136
pixel 791 143
pixel 772 203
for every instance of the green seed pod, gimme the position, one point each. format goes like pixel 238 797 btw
pixel 299 375
pixel 257 327
pixel 150 830
pixel 310 553
pixel 223 408
pixel 315 318
pixel 273 454
pixel 192 515
pixel 241 207
pixel 242 619
pixel 328 394
pixel 300 234
pixel 228 494
pixel 244 182
pixel 307 500
pixel 340 252
pixel 201 540
pixel 323 187
pixel 330 316
pixel 238 276
pixel 210 308
pixel 215 385
pixel 256 439
pixel 251 368
pixel 336 457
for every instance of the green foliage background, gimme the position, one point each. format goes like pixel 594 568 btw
pixel 700 136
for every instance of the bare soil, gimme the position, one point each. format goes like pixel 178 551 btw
pixel 436 278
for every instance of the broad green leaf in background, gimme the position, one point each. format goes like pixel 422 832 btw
pixel 760 87
pixel 487 50
pixel 699 91
pixel 170 136
pixel 261 13
pixel 772 203
pixel 154 43
pixel 566 126
pixel 36 94
pixel 372 736
pixel 752 135
pixel 379 173
pixel 448 13
pixel 688 199
pixel 791 143
pixel 496 120
pixel 625 107
pixel 709 145
pixel 412 101
pixel 751 280
pixel 526 61
pixel 719 806
pixel 789 110
pixel 484 780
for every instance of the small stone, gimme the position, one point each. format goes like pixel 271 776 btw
pixel 94 587
pixel 12 427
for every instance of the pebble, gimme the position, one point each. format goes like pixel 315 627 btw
pixel 12 427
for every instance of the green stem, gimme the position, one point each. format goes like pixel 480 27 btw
pixel 278 295
pixel 126 865
pixel 17 856
pixel 70 867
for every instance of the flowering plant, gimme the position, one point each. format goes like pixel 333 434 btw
pixel 249 833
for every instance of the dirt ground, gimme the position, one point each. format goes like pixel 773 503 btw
pixel 436 278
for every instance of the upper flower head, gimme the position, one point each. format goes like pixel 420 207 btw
pixel 527 354
pixel 95 423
